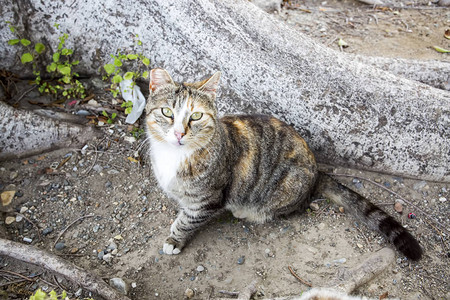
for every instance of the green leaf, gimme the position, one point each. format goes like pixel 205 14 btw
pixel 109 68
pixel 105 113
pixel 56 57
pixel 65 93
pixel 65 70
pixel 39 295
pixel 145 74
pixel 26 57
pixel 25 42
pixel 52 67
pixel 39 47
pixel 117 62
pixel 128 75
pixel 139 43
pixel 75 63
pixel 12 28
pixel 113 116
pixel 63 295
pixel 117 79
pixel 441 50
pixel 13 42
pixel 146 61
pixel 65 51
pixel 132 56
pixel 66 79
pixel 128 110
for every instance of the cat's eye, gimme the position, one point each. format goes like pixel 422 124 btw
pixel 196 116
pixel 167 112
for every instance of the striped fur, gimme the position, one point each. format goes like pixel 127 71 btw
pixel 255 166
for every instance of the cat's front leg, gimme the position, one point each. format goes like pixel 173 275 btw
pixel 186 223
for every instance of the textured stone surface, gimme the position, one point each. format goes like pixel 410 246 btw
pixel 351 114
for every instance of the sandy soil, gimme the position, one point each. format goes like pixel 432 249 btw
pixel 112 179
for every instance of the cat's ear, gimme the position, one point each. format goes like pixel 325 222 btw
pixel 210 85
pixel 159 77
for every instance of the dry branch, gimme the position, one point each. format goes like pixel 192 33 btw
pixel 53 263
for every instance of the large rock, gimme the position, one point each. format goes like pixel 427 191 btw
pixel 350 113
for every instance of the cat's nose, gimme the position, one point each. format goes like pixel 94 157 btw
pixel 179 135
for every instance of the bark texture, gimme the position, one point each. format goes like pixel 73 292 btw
pixel 53 263
pixel 24 133
pixel 350 113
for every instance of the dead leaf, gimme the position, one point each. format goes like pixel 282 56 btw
pixel 132 159
pixel 441 50
pixel 342 43
pixel 447 34
pixel 384 295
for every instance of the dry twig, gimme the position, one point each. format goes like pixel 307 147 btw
pixel 300 279
pixel 34 225
pixel 65 229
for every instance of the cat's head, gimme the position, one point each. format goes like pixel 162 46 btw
pixel 181 115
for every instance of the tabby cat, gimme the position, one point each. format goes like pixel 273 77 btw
pixel 255 166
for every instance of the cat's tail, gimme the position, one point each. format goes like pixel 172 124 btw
pixel 370 214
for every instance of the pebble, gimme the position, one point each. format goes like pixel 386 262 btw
pixel 19 218
pixel 74 250
pixel 7 197
pixel 107 257
pixel 241 260
pixel 442 199
pixel 97 168
pixel 96 228
pixel 23 209
pixel 13 175
pixel 161 252
pixel 341 209
pixel 101 254
pixel 83 112
pixel 108 184
pixel 189 293
pixel 387 184
pixel 112 246
pixel 120 285
pixel 360 246
pixel 314 206
pixel 398 207
pixel 28 240
pixel 60 246
pixel 133 285
pixel 47 230
pixel 78 293
pixel 10 220
pixel 200 268
pixel 93 102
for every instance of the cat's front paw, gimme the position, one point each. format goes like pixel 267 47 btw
pixel 171 247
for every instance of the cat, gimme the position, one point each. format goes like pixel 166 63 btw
pixel 255 166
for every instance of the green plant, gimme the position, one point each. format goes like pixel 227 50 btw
pixel 110 119
pixel 116 71
pixel 128 105
pixel 61 67
pixel 41 295
pixel 30 54
pixel 137 132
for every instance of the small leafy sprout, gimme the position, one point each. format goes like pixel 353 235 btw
pixel 128 105
pixel 116 71
pixel 137 133
pixel 110 119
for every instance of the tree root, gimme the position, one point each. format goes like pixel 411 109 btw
pixel 53 263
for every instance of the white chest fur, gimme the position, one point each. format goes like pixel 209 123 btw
pixel 166 160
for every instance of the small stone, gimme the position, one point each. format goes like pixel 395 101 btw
pixel 107 257
pixel 101 254
pixel 200 268
pixel 314 206
pixel 161 251
pixel 120 285
pixel 359 245
pixel 115 251
pixel 7 197
pixel 93 102
pixel 23 209
pixel 398 207
pixel 108 184
pixel 28 240
pixel 442 199
pixel 133 285
pixel 60 246
pixel 97 168
pixel 13 175
pixel 341 209
pixel 387 184
pixel 74 250
pixel 47 230
pixel 10 220
pixel 96 228
pixel 241 260
pixel 78 293
pixel 267 251
pixel 189 293
pixel 377 180
pixel 112 246
pixel 19 218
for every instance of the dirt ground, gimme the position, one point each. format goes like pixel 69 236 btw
pixel 111 179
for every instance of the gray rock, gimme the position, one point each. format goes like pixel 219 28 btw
pixel 241 260
pixel 59 246
pixel 107 257
pixel 47 230
pixel 101 254
pixel 112 246
pixel 120 285
pixel 200 268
